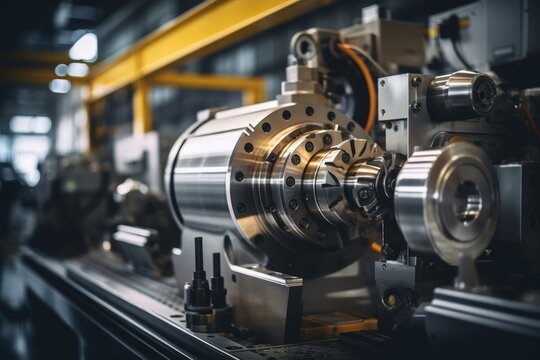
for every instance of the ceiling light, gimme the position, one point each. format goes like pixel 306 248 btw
pixel 60 86
pixel 61 70
pixel 77 69
pixel 85 49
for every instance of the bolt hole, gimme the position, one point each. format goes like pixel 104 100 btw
pixel 248 147
pixel 286 114
pixel 266 127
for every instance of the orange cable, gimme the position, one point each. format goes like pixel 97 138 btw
pixel 369 82
pixel 531 121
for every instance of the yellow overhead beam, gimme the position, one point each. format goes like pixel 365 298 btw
pixel 253 88
pixel 142 113
pixel 209 27
pixel 34 76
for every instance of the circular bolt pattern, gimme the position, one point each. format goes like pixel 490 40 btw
pixel 303 223
pixel 295 159
pixel 266 127
pixel 331 116
pixel 239 176
pixel 327 139
pixel 248 147
pixel 293 204
pixel 241 208
pixel 290 181
pixel 345 157
pixel 309 111
pixel 309 146
pixel 286 114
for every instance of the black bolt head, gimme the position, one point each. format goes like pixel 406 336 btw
pixel 290 181
pixel 309 146
pixel 295 159
pixel 327 139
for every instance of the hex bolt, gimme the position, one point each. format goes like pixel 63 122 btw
pixel 295 159
pixel 345 157
pixel 416 81
pixel 327 139
pixel 293 204
pixel 309 146
pixel 290 181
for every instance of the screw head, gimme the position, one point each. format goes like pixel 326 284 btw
pixel 239 176
pixel 320 235
pixel 290 181
pixel 295 159
pixel 303 223
pixel 309 146
pixel 350 126
pixel 309 111
pixel 345 157
pixel 248 147
pixel 241 208
pixel 327 139
pixel 416 81
pixel 331 116
pixel 383 83
pixel 286 114
pixel 293 204
pixel 266 127
pixel 416 106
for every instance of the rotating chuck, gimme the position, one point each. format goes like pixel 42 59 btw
pixel 206 309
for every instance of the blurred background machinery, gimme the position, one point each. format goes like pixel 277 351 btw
pixel 363 181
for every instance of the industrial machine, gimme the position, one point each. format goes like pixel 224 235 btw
pixel 301 200
pixel 371 209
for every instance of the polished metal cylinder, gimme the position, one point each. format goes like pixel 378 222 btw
pixel 460 96
pixel 447 201
pixel 261 175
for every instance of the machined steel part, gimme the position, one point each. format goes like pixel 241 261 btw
pixel 271 177
pixel 461 95
pixel 447 201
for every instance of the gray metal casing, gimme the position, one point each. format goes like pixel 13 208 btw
pixel 500 32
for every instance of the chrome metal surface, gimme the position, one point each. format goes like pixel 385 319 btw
pixel 248 174
pixel 447 201
pixel 461 95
